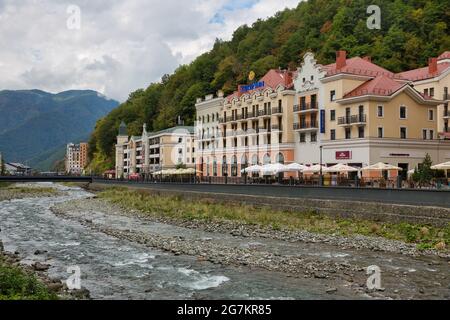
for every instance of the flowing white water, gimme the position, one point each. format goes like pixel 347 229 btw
pixel 117 269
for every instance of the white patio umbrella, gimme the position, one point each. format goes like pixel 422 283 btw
pixel 273 169
pixel 296 167
pixel 252 169
pixel 380 166
pixel 341 168
pixel 411 172
pixel 315 169
pixel 442 166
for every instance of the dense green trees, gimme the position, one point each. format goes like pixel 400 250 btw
pixel 412 31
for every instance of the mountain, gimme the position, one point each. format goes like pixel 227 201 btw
pixel 411 32
pixel 36 125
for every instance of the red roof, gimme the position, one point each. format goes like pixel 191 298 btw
pixel 424 73
pixel 445 55
pixel 380 86
pixel 358 66
pixel 272 79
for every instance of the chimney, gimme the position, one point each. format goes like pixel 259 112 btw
pixel 432 65
pixel 368 58
pixel 341 59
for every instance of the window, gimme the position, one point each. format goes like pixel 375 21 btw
pixel 431 115
pixel 180 140
pixel 380 132
pixel 431 92
pixel 380 111
pixel 332 134
pixel 180 151
pixel 312 78
pixel 361 132
pixel 313 137
pixel 348 133
pixel 333 95
pixel 424 134
pixel 333 115
pixel 425 92
pixel 403 113
pixel 403 134
pixel 302 138
pixel 304 80
pixel 431 134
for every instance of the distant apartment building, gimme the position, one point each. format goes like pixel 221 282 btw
pixel 76 158
pixel 153 152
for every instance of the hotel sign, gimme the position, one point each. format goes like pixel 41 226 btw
pixel 252 86
pixel 343 155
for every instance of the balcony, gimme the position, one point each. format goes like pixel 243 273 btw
pixel 252 115
pixel 306 107
pixel 264 113
pixel 306 126
pixel 352 120
pixel 277 110
pixel 276 127
pixel 447 114
pixel 446 97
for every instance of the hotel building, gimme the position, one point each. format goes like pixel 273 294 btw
pixel 76 158
pixel 373 115
pixel 255 127
pixel 152 152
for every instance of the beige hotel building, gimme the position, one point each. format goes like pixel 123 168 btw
pixel 152 152
pixel 356 111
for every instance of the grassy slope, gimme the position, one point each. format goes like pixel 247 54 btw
pixel 178 208
pixel 17 284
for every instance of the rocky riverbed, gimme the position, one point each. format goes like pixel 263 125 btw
pixel 125 254
pixel 341 261
pixel 22 191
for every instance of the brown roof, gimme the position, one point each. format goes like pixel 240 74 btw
pixel 358 66
pixel 424 73
pixel 272 79
pixel 381 86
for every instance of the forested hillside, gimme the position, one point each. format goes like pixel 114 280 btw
pixel 412 31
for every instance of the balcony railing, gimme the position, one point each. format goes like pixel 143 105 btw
pixel 306 107
pixel 263 113
pixel 362 118
pixel 306 125
pixel 277 110
pixel 276 127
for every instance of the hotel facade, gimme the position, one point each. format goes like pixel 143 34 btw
pixel 152 152
pixel 351 112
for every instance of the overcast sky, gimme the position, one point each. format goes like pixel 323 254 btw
pixel 120 46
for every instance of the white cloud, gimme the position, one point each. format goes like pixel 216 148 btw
pixel 121 46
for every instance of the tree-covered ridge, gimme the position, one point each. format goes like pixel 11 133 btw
pixel 412 31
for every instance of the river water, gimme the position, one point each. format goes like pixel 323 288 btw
pixel 116 269
pixel 112 268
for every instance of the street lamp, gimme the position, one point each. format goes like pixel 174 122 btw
pixel 321 165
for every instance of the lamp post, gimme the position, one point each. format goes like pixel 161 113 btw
pixel 321 164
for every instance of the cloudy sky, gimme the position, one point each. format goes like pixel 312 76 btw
pixel 113 46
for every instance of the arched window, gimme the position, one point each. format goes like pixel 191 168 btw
pixel 234 166
pixel 255 160
pixel 267 159
pixel 215 167
pixel 224 166
pixel 280 158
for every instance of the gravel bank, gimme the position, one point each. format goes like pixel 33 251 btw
pixel 23 191
pixel 376 244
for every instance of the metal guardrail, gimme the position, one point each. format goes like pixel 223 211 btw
pixel 45 179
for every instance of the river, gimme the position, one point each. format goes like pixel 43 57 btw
pixel 112 268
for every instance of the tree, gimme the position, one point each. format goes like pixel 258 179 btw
pixel 2 167
pixel 424 174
